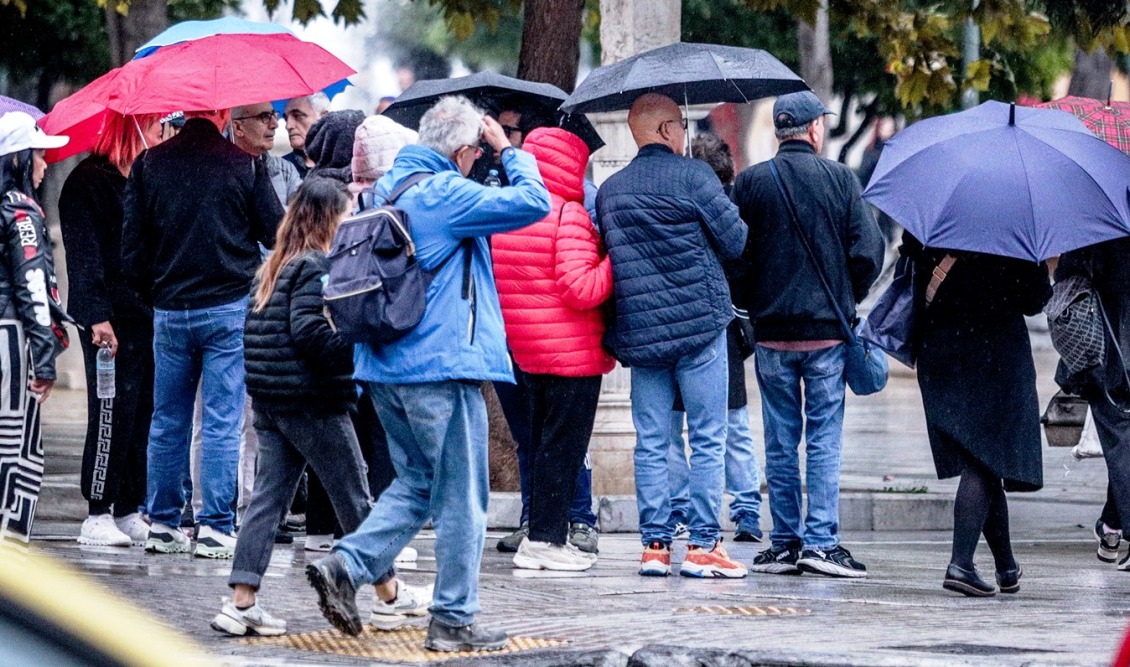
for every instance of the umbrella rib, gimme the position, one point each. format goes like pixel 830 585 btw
pixel 1028 186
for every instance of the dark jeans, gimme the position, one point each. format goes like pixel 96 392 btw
pixel 562 411
pixel 1109 514
pixel 288 442
pixel 1113 428
pixel 512 398
pixel 114 458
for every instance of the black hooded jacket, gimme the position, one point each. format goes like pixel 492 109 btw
pixel 28 288
pixel 329 143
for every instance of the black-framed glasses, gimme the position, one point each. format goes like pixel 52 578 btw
pixel 264 118
pixel 682 121
pixel 510 129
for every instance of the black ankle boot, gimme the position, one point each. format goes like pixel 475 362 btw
pixel 967 582
pixel 1009 580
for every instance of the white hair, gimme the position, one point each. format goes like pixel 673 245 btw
pixel 452 123
pixel 784 133
pixel 319 102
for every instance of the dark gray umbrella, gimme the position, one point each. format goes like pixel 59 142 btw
pixel 687 73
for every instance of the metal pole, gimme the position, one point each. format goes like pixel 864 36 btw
pixel 971 51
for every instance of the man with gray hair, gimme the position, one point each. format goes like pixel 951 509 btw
pixel 426 385
pixel 300 114
pixel 799 335
pixel 253 129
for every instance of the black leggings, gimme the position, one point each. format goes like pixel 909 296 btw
pixel 981 507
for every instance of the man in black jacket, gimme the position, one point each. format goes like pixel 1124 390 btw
pixel 800 337
pixel 196 209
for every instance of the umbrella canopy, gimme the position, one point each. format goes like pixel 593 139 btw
pixel 80 116
pixel 224 71
pixel 187 31
pixel 486 89
pixel 1018 182
pixel 8 104
pixel 1109 121
pixel 687 73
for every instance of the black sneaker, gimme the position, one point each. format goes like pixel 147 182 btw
pixel 835 562
pixel 748 535
pixel 337 597
pixel 776 560
pixel 471 637
pixel 510 543
pixel 1108 543
pixel 968 582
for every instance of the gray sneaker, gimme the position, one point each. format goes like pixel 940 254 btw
pixel 253 621
pixel 337 597
pixel 471 637
pixel 584 537
pixel 510 543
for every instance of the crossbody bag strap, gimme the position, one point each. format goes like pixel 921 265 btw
pixel 938 276
pixel 808 248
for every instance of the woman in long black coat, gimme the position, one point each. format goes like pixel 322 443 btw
pixel 978 385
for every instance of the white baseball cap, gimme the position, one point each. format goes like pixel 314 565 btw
pixel 19 132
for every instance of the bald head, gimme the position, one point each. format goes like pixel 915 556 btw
pixel 656 119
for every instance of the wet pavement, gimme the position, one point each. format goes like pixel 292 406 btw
pixel 1072 609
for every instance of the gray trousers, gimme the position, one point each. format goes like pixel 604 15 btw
pixel 1113 428
pixel 288 442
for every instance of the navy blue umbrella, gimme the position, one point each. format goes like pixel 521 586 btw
pixel 1018 182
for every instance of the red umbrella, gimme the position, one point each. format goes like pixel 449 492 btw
pixel 225 71
pixel 80 117
pixel 1109 121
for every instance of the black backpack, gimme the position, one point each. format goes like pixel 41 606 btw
pixel 375 290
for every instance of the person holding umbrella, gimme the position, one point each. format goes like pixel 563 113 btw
pixel 27 320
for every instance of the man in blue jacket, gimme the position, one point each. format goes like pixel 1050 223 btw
pixel 667 224
pixel 426 385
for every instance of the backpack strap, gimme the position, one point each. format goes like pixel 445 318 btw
pixel 365 199
pixel 939 276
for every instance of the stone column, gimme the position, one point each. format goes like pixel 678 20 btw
pixel 627 27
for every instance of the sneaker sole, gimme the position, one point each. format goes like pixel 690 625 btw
pixel 230 626
pixel 528 563
pixel 103 543
pixel 165 547
pixel 346 624
pixel 451 647
pixel 384 622
pixel 1106 556
pixel 775 568
pixel 829 569
pixel 711 572
pixel 215 554
pixel 655 571
pixel 966 590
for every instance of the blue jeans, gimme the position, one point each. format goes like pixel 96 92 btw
pixel 192 347
pixel 701 377
pixel 743 477
pixel 821 416
pixel 437 439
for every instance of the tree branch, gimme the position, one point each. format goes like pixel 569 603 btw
pixel 870 111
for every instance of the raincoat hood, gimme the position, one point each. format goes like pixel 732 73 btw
pixel 562 157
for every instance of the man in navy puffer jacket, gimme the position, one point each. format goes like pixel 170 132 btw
pixel 668 226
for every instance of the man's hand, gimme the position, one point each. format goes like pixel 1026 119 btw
pixel 41 388
pixel 103 333
pixel 494 135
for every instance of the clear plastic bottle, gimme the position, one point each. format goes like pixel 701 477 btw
pixel 493 181
pixel 104 367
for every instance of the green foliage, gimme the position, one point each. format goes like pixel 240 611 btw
pixel 420 30
pixel 195 10
pixel 52 40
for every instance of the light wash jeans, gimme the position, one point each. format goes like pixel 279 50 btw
pixel 819 413
pixel 701 377
pixel 437 438
pixel 743 476
pixel 192 347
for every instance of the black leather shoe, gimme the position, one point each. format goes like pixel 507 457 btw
pixel 471 637
pixel 337 597
pixel 967 582
pixel 1009 580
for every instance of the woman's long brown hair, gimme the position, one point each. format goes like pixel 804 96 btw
pixel 309 224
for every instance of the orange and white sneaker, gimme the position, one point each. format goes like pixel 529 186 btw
pixel 714 563
pixel 656 561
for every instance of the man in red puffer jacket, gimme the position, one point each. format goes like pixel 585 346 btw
pixel 552 278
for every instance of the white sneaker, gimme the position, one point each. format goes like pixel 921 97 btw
pixel 319 542
pixel 134 526
pixel 546 556
pixel 410 601
pixel 407 555
pixel 100 531
pixel 167 540
pixel 211 543
pixel 251 621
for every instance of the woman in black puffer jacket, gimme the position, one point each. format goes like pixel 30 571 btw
pixel 299 377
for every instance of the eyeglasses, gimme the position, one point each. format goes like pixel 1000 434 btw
pixel 478 150
pixel 264 118
pixel 682 121
pixel 510 129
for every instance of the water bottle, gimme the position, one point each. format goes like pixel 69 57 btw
pixel 493 181
pixel 104 365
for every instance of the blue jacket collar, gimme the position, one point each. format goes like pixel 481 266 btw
pixel 656 149
pixel 414 158
pixel 796 146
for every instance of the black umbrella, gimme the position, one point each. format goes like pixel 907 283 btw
pixel 688 74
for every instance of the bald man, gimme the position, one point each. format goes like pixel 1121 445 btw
pixel 668 226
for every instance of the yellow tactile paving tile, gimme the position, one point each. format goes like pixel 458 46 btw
pixel 744 611
pixel 402 645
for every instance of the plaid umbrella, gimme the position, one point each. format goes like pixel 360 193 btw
pixel 1110 121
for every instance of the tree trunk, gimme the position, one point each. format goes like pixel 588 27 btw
pixel 816 54
pixel 1091 75
pixel 551 42
pixel 145 20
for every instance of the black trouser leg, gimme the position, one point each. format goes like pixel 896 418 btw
pixel 374 445
pixel 1109 514
pixel 117 432
pixel 1113 428
pixel 562 411
pixel 996 529
pixel 320 517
